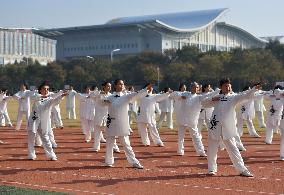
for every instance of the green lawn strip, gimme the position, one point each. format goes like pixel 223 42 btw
pixel 10 190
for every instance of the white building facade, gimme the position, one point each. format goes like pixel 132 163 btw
pixel 16 44
pixel 152 33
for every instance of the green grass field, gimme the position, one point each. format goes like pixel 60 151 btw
pixel 9 190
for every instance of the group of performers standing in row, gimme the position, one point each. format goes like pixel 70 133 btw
pixel 107 117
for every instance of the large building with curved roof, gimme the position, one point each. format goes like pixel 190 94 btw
pixel 152 33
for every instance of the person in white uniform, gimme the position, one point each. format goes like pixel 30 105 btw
pixel 71 103
pixel 133 108
pixel 259 110
pixel 4 116
pixel 190 109
pixel 247 114
pixel 281 127
pixel 56 121
pixel 223 126
pixel 23 96
pixel 40 122
pixel 166 107
pixel 87 113
pixel 274 113
pixel 101 116
pixel 205 113
pixel 118 124
pixel 146 116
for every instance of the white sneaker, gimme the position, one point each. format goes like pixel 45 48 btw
pixel 31 157
pixel 255 135
pixel 137 166
pixel 53 159
pixel 161 144
pixel 282 158
pixel 211 173
pixel 203 155
pixel 242 148
pixel 108 165
pixel 1 142
pixel 116 150
pixel 103 140
pixel 180 153
pixel 246 173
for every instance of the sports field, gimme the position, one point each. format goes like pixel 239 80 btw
pixel 79 170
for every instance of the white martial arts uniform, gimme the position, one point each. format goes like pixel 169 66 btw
pixel 87 115
pixel 259 109
pixel 118 124
pixel 132 112
pixel 146 118
pixel 70 104
pixel 273 114
pixel 204 118
pixel 24 106
pixel 247 114
pixel 223 127
pixel 4 116
pixel 166 107
pixel 282 133
pixel 40 123
pixel 56 121
pixel 187 118
pixel 100 119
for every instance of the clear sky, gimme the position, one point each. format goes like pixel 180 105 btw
pixel 259 17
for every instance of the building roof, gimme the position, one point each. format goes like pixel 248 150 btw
pixel 182 21
pixel 179 22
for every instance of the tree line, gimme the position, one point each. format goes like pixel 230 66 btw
pixel 171 68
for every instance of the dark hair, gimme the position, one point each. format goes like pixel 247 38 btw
pixel 26 85
pixel 86 87
pixel 205 86
pixel 116 81
pixel 181 85
pixel 93 87
pixel 146 85
pixel 223 81
pixel 166 89
pixel 105 83
pixel 44 83
pixel 278 87
pixel 130 87
pixel 246 88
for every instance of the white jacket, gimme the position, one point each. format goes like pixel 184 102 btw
pixel 70 99
pixel 166 105
pixel 223 120
pixel 24 100
pixel 146 107
pixel 275 108
pixel 41 111
pixel 117 121
pixel 101 109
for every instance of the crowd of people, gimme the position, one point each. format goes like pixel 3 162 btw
pixel 107 117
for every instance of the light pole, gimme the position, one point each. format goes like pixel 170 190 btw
pixel 158 72
pixel 111 54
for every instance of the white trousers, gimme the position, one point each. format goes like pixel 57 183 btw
pixel 169 116
pixel 20 118
pixel 45 142
pixel 197 143
pixel 132 115
pixel 269 132
pixel 70 112
pixel 232 150
pixel 142 129
pixel 260 118
pixel 124 140
pixel 98 135
pixel 201 123
pixel 56 119
pixel 87 127
pixel 282 142
pixel 250 126
pixel 5 119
